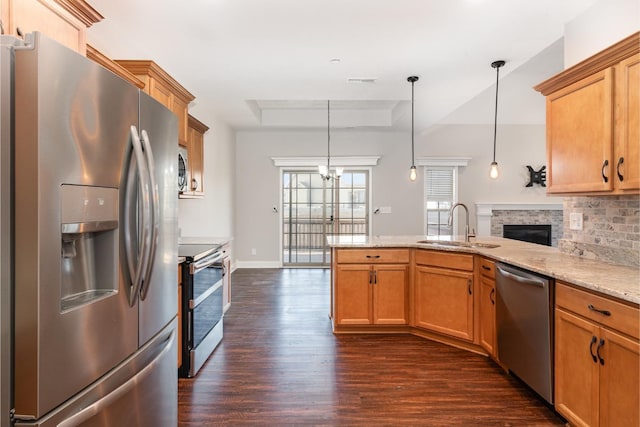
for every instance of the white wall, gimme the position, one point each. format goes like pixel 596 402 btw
pixel 213 215
pixel 258 180
pixel 600 26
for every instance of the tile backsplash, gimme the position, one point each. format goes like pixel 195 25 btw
pixel 611 229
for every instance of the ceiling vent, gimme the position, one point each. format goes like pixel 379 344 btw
pixel 362 79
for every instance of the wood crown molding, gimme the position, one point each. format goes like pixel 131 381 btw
pixel 97 56
pixel 150 68
pixel 598 62
pixel 81 10
pixel 197 124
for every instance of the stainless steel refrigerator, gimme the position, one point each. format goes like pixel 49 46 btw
pixel 89 244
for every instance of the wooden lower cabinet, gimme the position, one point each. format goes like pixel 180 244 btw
pixel 597 371
pixel 443 301
pixel 369 294
pixel 487 306
pixel 488 315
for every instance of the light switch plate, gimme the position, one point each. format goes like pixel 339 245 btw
pixel 575 221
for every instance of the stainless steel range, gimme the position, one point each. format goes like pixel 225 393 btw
pixel 202 304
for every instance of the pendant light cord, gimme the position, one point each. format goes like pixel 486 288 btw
pixel 496 65
pixel 412 80
pixel 328 136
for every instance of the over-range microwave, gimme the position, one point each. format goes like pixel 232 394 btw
pixel 183 169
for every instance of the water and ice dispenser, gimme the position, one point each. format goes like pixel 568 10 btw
pixel 89 238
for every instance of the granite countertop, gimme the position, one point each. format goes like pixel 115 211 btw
pixel 609 279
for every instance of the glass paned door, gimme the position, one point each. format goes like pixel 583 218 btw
pixel 313 208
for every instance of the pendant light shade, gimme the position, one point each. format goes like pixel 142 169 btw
pixel 413 173
pixel 493 171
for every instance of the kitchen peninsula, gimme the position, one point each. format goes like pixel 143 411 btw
pixel 445 290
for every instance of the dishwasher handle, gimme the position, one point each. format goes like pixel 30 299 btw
pixel 520 279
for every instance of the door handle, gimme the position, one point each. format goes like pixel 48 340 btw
pixel 600 345
pixel 593 341
pixel 469 283
pixel 604 165
pixel 375 277
pixel 620 162
pixel 603 312
pixel 154 211
pixel 491 294
pixel 370 277
pixel 140 253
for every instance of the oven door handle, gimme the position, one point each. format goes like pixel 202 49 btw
pixel 193 303
pixel 205 262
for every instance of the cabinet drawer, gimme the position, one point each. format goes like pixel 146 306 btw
pixel 487 268
pixel 452 260
pixel 372 256
pixel 622 317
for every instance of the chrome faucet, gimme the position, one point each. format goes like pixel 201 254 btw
pixel 466 227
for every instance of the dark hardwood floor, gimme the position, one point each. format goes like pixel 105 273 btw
pixel 280 364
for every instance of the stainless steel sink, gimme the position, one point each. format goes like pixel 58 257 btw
pixel 456 243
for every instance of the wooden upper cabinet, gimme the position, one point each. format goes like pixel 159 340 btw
pixel 195 149
pixel 593 122
pixel 627 124
pixel 65 21
pixel 163 88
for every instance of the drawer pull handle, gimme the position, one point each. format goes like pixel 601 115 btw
pixel 600 345
pixel 484 267
pixel 620 162
pixel 593 341
pixel 604 312
pixel 491 294
pixel 604 177
pixel 373 256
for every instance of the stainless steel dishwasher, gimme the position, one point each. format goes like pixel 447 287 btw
pixel 524 323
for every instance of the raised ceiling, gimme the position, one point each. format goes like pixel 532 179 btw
pixel 273 63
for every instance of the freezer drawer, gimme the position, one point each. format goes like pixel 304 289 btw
pixel 142 391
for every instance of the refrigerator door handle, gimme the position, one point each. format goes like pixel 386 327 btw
pixel 130 211
pixel 98 406
pixel 155 213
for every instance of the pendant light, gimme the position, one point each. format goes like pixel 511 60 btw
pixel 325 171
pixel 413 174
pixel 493 171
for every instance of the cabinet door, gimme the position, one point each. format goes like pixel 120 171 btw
pixel 180 109
pixel 627 172
pixel 196 160
pixel 619 380
pixel 443 301
pixel 488 315
pixel 353 294
pixel 160 93
pixel 390 294
pixel 580 135
pixel 576 372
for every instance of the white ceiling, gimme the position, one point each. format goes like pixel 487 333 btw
pixel 267 63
